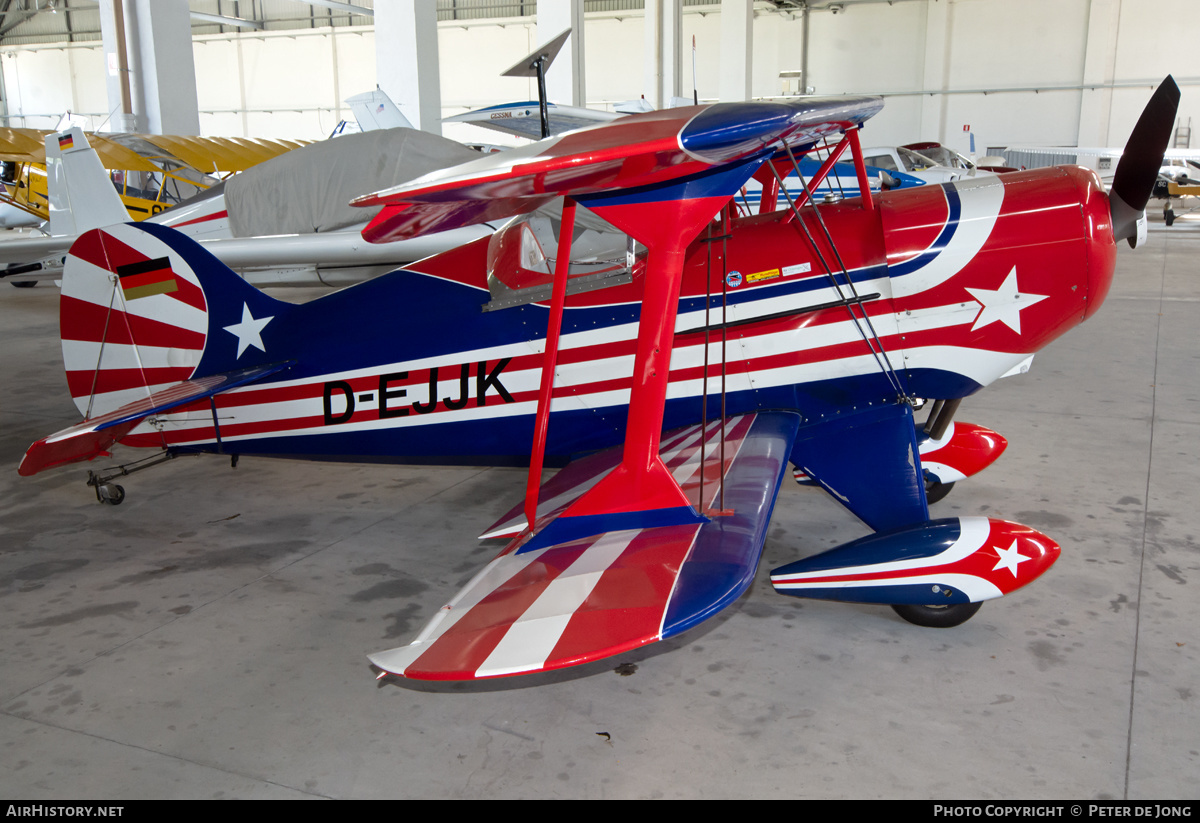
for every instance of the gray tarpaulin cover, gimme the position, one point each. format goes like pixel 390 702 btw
pixel 309 189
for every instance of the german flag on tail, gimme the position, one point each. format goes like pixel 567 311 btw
pixel 66 141
pixel 147 278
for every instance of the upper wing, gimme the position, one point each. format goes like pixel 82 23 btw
pixel 545 604
pixel 632 152
pixel 213 155
pixel 20 145
pixel 147 152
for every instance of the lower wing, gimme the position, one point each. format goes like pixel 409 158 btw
pixel 541 606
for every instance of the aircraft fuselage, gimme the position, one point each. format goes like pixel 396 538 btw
pixel 961 284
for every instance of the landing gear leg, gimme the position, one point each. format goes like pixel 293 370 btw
pixel 113 494
pixel 935 426
pixel 940 416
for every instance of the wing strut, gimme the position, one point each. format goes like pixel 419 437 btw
pixel 860 169
pixel 664 218
pixel 817 179
pixel 726 226
pixel 550 359
pixel 866 328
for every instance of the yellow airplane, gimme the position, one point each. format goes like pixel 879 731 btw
pixel 194 162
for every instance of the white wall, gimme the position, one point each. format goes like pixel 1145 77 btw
pixel 933 59
pixel 44 84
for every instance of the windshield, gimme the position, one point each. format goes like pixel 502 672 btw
pixel 914 161
pixel 933 154
pixel 522 256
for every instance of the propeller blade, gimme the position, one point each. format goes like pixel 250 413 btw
pixel 1141 161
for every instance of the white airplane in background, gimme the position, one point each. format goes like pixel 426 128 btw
pixel 285 221
pixel 932 162
pixel 1179 175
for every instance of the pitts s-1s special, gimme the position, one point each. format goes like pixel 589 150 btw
pixel 673 355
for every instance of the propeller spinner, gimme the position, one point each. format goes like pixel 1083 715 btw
pixel 1141 160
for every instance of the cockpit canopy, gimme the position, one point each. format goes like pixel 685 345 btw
pixel 522 256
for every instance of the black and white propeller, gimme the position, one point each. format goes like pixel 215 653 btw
pixel 1140 162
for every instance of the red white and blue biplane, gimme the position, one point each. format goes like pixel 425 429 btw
pixel 673 357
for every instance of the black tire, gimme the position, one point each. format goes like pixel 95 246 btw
pixel 937 617
pixel 114 494
pixel 1168 218
pixel 23 284
pixel 936 491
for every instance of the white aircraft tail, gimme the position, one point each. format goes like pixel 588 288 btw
pixel 375 110
pixel 81 195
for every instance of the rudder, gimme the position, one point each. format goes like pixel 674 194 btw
pixel 137 313
pixel 81 197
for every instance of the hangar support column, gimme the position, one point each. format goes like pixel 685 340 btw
pixel 154 67
pixel 565 80
pixel 737 45
pixel 664 33
pixel 117 83
pixel 934 76
pixel 1100 54
pixel 406 60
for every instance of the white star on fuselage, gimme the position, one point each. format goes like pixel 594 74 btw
pixel 249 331
pixel 1004 304
pixel 1010 558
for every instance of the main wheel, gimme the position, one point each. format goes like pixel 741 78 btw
pixel 1169 216
pixel 936 491
pixel 937 617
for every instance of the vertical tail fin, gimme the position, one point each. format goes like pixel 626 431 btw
pixel 143 307
pixel 375 110
pixel 81 195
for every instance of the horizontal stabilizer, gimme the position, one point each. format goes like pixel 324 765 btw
pixel 92 438
pixel 942 562
pixel 597 595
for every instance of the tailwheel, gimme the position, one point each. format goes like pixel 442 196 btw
pixel 937 617
pixel 935 491
pixel 110 493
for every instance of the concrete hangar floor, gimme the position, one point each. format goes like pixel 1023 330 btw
pixel 207 638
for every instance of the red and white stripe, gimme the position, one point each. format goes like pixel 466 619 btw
pixel 572 602
pixel 115 350
pixel 990 559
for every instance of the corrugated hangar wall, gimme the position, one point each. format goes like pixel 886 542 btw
pixel 1014 71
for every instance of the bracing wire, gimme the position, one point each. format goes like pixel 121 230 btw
pixel 868 334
